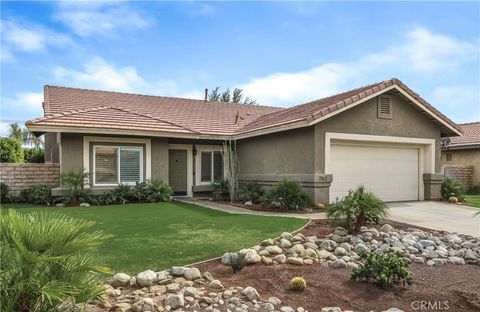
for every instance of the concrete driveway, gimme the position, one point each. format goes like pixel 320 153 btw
pixel 437 216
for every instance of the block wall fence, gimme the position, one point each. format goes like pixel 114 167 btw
pixel 21 176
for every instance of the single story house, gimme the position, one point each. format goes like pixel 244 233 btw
pixel 461 156
pixel 384 136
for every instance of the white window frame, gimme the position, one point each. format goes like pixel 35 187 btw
pixel 118 148
pixel 198 162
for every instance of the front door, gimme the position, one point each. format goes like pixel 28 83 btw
pixel 177 171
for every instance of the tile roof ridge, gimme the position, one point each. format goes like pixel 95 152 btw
pixel 128 110
pixel 67 113
pixel 469 123
pixel 163 97
pixel 360 94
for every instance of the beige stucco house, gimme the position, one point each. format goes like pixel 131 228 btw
pixel 461 156
pixel 383 136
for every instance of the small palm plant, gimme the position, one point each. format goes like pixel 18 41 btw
pixel 45 261
pixel 74 180
pixel 356 209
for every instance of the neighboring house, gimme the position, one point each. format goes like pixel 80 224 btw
pixel 383 136
pixel 461 157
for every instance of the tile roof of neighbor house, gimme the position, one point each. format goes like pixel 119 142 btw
pixel 81 108
pixel 470 137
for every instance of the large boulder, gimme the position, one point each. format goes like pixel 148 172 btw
pixel 192 274
pixel 274 250
pixel 177 271
pixel 120 280
pixel 175 301
pixel 144 305
pixel 251 293
pixel 146 278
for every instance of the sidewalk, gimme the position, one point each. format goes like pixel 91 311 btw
pixel 237 210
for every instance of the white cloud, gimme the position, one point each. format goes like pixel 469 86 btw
pixel 99 74
pixel 26 101
pixel 458 100
pixel 418 52
pixel 104 18
pixel 29 38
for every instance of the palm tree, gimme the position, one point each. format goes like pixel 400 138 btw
pixel 24 136
pixel 45 261
pixel 15 132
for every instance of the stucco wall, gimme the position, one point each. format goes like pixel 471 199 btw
pixel 270 158
pixel 160 159
pixel 467 157
pixel 72 155
pixel 51 148
pixel 71 152
pixel 406 121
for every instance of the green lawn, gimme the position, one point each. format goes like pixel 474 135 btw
pixel 473 200
pixel 157 236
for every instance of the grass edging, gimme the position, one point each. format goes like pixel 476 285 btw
pixel 216 258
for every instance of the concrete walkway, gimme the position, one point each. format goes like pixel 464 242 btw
pixel 237 210
pixel 437 216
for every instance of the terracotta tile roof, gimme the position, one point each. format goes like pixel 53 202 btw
pixel 470 137
pixel 71 107
pixel 81 108
pixel 322 107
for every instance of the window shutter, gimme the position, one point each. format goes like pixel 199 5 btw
pixel 385 107
pixel 206 159
pixel 130 162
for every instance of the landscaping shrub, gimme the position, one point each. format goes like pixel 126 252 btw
pixel 384 270
pixel 45 261
pixel 3 192
pixel 237 261
pixel 287 195
pixel 152 192
pixel 40 194
pixel 10 151
pixel 251 191
pixel 33 155
pixel 298 284
pixel 451 187
pixel 74 181
pixel 356 209
pixel 123 193
pixel 474 190
pixel 220 190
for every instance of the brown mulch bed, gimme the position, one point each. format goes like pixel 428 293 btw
pixel 458 285
pixel 257 207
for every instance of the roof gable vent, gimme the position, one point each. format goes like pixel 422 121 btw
pixel 384 109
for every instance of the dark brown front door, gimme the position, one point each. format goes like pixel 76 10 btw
pixel 177 171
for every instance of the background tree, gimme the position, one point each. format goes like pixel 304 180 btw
pixel 24 136
pixel 228 96
pixel 10 150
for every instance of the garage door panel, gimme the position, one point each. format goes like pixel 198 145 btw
pixel 389 172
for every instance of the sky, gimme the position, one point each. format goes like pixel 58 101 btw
pixel 280 53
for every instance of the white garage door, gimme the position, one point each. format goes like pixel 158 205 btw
pixel 389 172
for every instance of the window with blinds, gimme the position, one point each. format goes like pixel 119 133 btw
pixel 211 163
pixel 130 162
pixel 106 165
pixel 206 163
pixel 115 165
